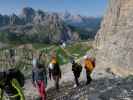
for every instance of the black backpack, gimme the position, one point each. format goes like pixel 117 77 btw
pixel 77 67
pixel 16 74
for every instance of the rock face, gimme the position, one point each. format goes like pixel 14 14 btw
pixel 114 40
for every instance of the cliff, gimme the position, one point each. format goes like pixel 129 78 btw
pixel 114 41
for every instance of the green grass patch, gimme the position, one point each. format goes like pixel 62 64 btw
pixel 75 50
pixel 40 45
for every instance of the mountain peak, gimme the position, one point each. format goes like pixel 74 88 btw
pixel 27 11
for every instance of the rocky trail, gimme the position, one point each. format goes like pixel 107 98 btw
pixel 101 89
pixel 106 87
pixel 107 84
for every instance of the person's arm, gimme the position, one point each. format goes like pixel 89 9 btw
pixel 50 73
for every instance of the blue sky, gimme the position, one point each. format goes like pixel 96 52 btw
pixel 83 7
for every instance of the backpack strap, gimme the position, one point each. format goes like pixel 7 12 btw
pixel 1 93
pixel 17 86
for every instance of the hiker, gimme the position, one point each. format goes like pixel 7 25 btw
pixel 55 71
pixel 89 65
pixel 76 68
pixel 11 82
pixel 39 77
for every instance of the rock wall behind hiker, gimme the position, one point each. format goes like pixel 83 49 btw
pixel 114 41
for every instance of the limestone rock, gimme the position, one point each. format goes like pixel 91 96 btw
pixel 114 41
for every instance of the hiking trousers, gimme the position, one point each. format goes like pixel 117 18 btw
pixel 56 79
pixel 88 75
pixel 41 89
pixel 76 77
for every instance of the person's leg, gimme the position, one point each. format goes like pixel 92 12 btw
pixel 39 88
pixel 76 80
pixel 89 79
pixel 57 82
pixel 54 78
pixel 43 92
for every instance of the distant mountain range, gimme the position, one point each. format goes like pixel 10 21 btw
pixel 39 26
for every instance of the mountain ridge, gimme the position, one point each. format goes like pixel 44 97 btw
pixel 47 27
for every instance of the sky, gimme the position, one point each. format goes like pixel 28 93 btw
pixel 82 7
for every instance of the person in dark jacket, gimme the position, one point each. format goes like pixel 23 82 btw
pixel 76 68
pixel 55 71
pixel 11 82
pixel 39 78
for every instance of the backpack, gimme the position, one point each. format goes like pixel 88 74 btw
pixel 77 67
pixel 89 65
pixel 16 74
